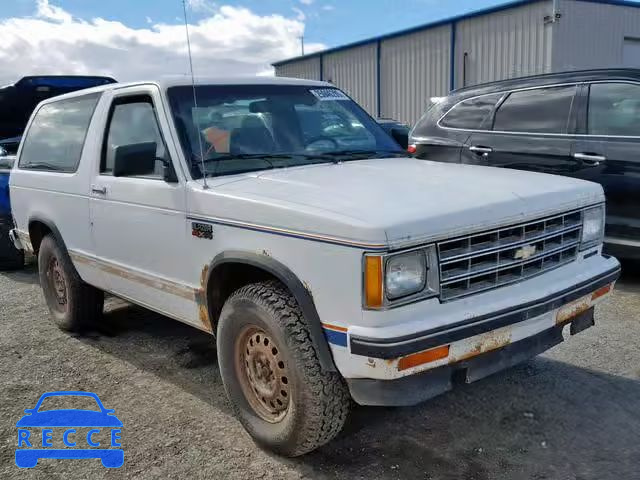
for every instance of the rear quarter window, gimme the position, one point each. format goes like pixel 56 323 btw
pixel 472 114
pixel 56 136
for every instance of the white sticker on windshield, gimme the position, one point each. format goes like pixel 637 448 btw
pixel 329 94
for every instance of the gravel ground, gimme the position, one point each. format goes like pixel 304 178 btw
pixel 572 413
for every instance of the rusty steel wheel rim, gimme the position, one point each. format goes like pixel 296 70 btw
pixel 57 284
pixel 263 375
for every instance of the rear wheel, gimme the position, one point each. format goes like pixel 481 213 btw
pixel 74 305
pixel 272 375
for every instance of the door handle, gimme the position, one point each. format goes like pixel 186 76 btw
pixel 590 159
pixel 484 151
pixel 98 190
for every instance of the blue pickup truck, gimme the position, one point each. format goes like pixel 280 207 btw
pixel 10 258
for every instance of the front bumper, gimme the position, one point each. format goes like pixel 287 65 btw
pixel 389 348
pixel 417 388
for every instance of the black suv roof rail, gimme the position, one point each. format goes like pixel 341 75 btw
pixel 631 72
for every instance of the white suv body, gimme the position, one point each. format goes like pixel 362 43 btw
pixel 505 267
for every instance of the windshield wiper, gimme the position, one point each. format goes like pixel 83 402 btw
pixel 359 153
pixel 267 157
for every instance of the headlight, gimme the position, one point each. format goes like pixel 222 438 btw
pixel 395 279
pixel 405 274
pixel 592 226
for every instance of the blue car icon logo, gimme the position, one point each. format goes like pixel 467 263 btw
pixel 84 432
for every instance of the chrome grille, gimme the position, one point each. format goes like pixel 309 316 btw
pixel 491 259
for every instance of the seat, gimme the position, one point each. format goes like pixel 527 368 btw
pixel 253 138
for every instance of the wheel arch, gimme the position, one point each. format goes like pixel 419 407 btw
pixel 270 268
pixel 39 227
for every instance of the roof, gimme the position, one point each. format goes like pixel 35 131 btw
pixel 446 21
pixel 185 81
pixel 549 79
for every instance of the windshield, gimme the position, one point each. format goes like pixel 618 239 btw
pixel 245 128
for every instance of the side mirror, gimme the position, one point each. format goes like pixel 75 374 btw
pixel 401 135
pixel 135 159
pixel 169 172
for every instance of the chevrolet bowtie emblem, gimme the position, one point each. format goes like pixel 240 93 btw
pixel 525 252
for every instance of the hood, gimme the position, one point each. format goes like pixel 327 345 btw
pixel 398 201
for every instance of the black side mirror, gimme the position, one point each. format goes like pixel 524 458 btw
pixel 169 172
pixel 401 135
pixel 135 159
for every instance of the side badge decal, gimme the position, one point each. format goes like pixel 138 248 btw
pixel 202 230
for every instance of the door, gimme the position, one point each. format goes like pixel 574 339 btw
pixel 530 130
pixel 138 209
pixel 442 139
pixel 612 134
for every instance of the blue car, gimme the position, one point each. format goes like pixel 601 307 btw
pixel 69 419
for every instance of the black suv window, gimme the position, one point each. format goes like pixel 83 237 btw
pixel 541 110
pixel 56 136
pixel 471 114
pixel 614 109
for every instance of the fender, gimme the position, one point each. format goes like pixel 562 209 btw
pixel 295 286
pixel 51 226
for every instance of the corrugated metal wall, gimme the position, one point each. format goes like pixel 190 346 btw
pixel 505 44
pixel 413 68
pixel 307 68
pixel 355 72
pixel 591 35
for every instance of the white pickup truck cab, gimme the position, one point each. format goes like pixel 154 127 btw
pixel 276 215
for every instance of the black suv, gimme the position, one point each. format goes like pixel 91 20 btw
pixel 581 124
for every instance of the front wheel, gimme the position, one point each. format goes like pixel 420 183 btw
pixel 74 305
pixel 272 374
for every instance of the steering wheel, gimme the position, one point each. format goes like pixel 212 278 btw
pixel 322 138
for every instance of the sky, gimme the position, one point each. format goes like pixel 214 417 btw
pixel 142 39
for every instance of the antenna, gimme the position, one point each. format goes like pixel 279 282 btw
pixel 301 37
pixel 195 97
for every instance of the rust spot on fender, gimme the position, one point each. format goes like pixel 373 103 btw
pixel 200 297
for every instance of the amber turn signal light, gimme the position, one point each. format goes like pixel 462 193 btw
pixel 373 281
pixel 420 358
pixel 601 292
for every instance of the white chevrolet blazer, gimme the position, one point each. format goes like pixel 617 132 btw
pixel 276 215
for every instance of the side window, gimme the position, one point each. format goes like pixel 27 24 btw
pixel 614 109
pixel 133 123
pixel 542 110
pixel 471 114
pixel 55 139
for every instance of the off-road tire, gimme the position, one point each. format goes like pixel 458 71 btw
pixel 10 257
pixel 84 303
pixel 319 401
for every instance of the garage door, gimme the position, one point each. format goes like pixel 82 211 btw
pixel 631 52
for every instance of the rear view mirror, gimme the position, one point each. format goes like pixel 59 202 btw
pixel 401 135
pixel 135 159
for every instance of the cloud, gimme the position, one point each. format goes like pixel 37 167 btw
pixel 328 8
pixel 229 41
pixel 306 2
pixel 300 16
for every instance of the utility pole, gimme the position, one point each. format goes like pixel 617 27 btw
pixel 301 37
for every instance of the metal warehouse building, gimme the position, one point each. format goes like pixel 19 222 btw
pixel 394 75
